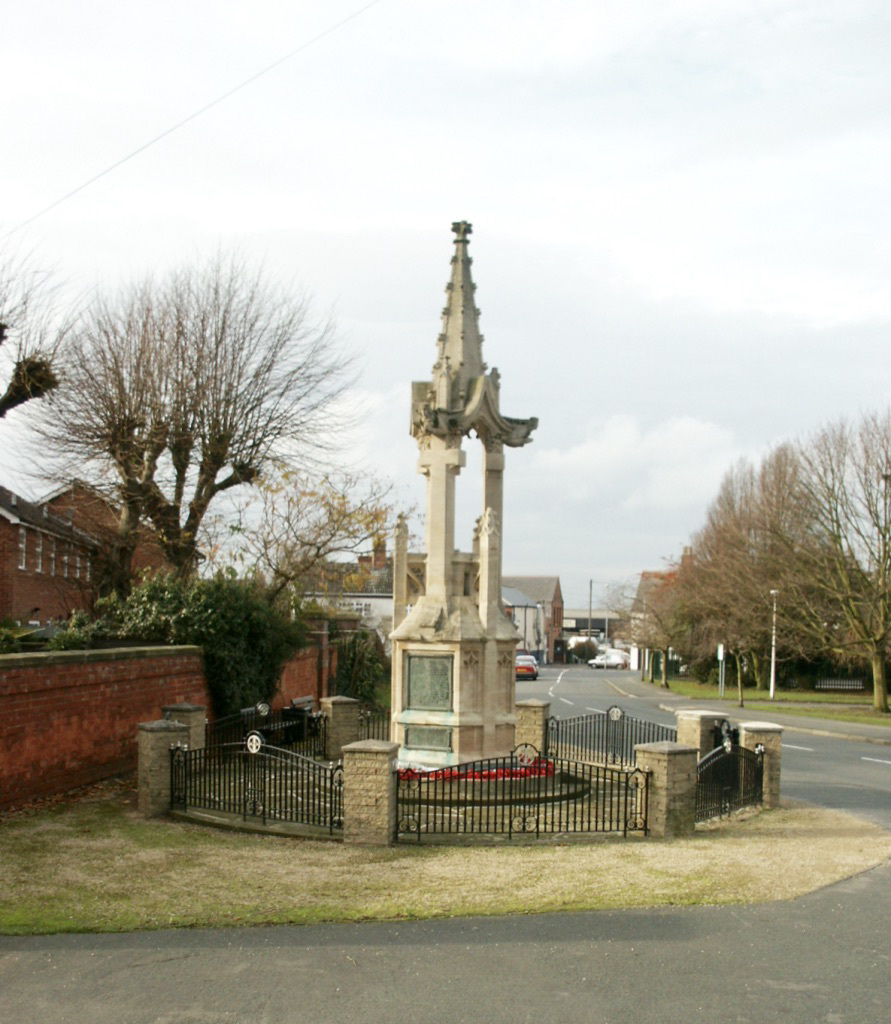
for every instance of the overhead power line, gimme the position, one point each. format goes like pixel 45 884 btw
pixel 196 114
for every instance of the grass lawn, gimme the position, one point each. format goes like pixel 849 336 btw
pixel 91 863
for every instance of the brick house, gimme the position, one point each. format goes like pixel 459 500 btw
pixel 46 562
pixel 544 590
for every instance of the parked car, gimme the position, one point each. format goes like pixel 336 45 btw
pixel 610 659
pixel 526 667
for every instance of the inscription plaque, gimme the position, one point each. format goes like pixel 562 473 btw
pixel 428 737
pixel 428 682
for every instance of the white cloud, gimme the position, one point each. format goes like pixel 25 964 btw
pixel 672 464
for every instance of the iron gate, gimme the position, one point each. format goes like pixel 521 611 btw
pixel 728 779
pixel 522 794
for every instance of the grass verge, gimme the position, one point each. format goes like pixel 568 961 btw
pixel 92 864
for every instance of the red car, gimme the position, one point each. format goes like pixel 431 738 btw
pixel 526 667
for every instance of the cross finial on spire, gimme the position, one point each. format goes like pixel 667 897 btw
pixel 462 229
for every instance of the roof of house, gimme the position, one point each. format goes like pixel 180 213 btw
pixel 539 588
pixel 514 598
pixel 16 509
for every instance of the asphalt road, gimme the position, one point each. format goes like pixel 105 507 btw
pixel 822 958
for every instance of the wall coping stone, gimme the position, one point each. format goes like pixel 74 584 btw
pixel 667 747
pixel 342 700
pixel 13 661
pixel 761 726
pixel 371 747
pixel 163 725
pixel 697 713
pixel 533 702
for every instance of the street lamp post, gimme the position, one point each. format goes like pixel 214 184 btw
pixel 773 647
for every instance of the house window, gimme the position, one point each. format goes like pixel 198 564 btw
pixel 65 561
pixel 52 556
pixel 23 548
pixel 40 552
pixel 89 568
pixel 77 566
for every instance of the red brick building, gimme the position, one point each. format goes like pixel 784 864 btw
pixel 46 562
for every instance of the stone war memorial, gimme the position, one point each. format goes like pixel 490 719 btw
pixel 453 686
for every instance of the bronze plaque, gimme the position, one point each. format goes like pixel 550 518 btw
pixel 428 682
pixel 428 737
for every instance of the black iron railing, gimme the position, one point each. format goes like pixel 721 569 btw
pixel 728 779
pixel 254 780
pixel 298 729
pixel 374 723
pixel 605 737
pixel 523 794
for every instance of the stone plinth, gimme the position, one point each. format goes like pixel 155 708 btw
pixel 771 737
pixel 369 793
pixel 671 802
pixel 153 775
pixel 194 716
pixel 532 723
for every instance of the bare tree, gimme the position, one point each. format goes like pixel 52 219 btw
pixel 29 332
pixel 738 560
pixel 660 616
pixel 838 556
pixel 304 526
pixel 181 389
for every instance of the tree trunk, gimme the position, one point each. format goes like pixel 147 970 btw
pixel 651 667
pixel 758 670
pixel 879 684
pixel 664 683
pixel 739 680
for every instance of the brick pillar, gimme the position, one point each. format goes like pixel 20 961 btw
pixel 671 801
pixel 369 792
pixel 343 724
pixel 771 736
pixel 192 715
pixel 532 723
pixel 153 774
pixel 695 729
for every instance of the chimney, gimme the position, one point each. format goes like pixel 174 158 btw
pixel 379 557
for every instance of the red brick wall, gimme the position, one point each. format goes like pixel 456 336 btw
pixel 68 719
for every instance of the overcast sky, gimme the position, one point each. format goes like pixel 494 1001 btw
pixel 680 208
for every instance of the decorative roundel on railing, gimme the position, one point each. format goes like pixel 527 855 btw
pixel 526 821
pixel 526 754
pixel 759 748
pixel 725 727
pixel 615 713
pixel 253 743
pixel 262 709
pixel 728 744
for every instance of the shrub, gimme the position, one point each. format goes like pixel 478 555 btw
pixel 9 642
pixel 362 666
pixel 246 641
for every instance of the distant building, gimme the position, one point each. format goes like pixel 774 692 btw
pixel 46 563
pixel 544 590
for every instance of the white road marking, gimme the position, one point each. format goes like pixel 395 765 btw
pixel 565 701
pixel 597 711
pixel 877 760
pixel 791 746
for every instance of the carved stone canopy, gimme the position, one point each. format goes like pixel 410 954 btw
pixel 462 397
